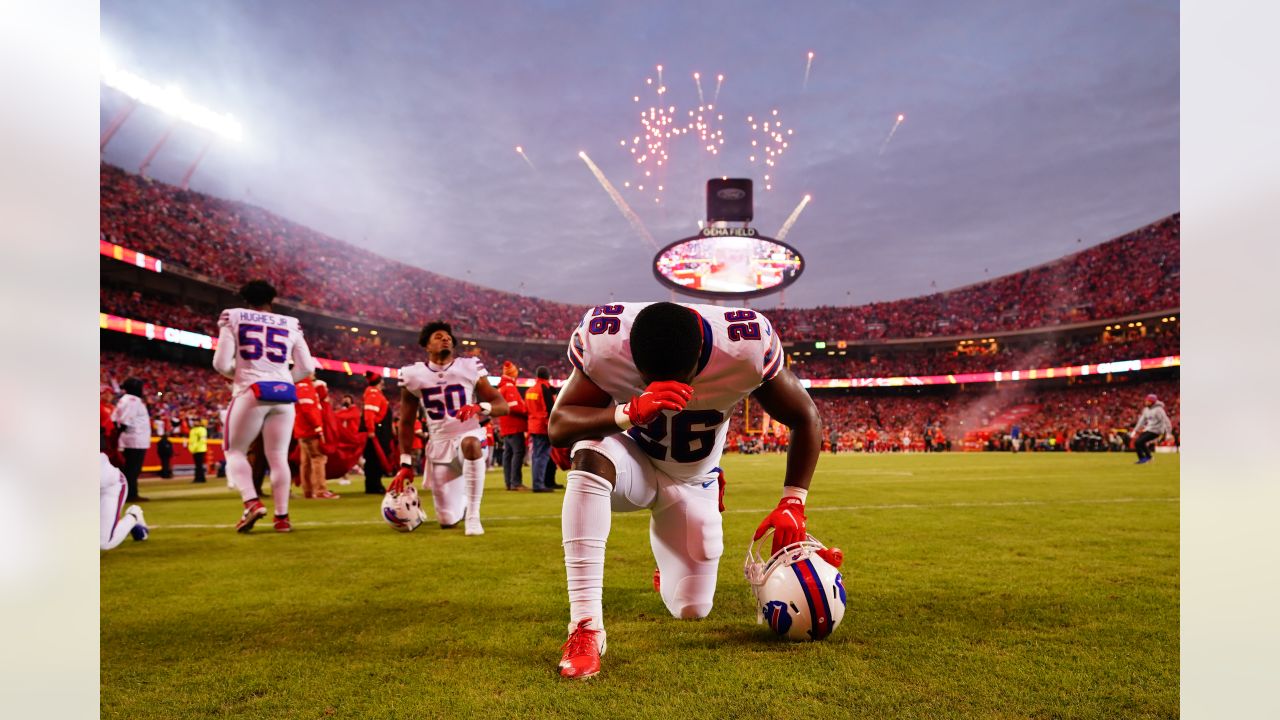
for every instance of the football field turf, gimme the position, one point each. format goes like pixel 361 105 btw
pixel 979 586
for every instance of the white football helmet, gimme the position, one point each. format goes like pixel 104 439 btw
pixel 799 590
pixel 403 511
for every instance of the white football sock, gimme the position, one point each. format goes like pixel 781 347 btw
pixel 585 519
pixel 473 476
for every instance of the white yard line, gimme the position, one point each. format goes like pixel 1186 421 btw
pixel 758 511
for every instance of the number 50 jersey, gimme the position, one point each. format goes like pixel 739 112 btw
pixel 740 352
pixel 442 390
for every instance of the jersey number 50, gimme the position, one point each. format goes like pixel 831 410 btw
pixel 454 397
pixel 693 435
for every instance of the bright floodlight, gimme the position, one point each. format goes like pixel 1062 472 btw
pixel 169 100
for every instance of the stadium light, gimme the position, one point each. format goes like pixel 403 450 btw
pixel 169 100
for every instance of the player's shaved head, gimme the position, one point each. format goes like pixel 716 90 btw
pixel 258 293
pixel 666 340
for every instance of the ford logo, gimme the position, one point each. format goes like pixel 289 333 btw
pixel 731 193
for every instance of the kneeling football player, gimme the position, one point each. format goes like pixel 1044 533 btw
pixel 647 410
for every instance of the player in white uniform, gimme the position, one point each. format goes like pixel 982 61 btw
pixel 454 392
pixel 647 408
pixel 255 347
pixel 115 526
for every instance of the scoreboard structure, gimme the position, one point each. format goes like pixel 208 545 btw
pixel 722 262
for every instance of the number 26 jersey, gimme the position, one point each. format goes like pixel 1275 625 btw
pixel 740 352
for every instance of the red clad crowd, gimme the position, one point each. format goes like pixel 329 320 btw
pixel 1052 416
pixel 884 361
pixel 235 242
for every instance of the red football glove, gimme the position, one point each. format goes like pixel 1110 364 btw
pixel 662 395
pixel 835 556
pixel 466 412
pixel 787 521
pixel 403 478
pixel 720 482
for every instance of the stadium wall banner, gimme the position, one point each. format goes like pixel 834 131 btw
pixel 735 263
pixel 152 331
pixel 124 254
pixel 997 376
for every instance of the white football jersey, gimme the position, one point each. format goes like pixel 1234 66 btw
pixel 264 343
pixel 740 352
pixel 442 390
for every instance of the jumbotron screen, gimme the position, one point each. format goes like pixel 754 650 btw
pixel 727 263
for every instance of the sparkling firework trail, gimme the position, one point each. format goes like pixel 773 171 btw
pixel 807 65
pixel 697 80
pixel 716 98
pixel 896 123
pixel 625 209
pixel 520 150
pixel 768 143
pixel 795 215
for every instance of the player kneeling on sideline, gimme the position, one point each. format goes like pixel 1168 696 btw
pixel 255 346
pixel 647 408
pixel 115 526
pixel 454 392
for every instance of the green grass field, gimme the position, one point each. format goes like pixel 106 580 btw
pixel 979 586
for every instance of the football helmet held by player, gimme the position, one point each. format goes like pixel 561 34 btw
pixel 402 510
pixel 799 590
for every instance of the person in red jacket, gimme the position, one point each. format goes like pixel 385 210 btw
pixel 872 437
pixel 375 452
pixel 538 400
pixel 513 426
pixel 308 428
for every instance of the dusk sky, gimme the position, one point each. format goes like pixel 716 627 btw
pixel 1031 130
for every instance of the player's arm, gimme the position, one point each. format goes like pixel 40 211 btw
pixel 786 400
pixel 404 431
pixel 404 434
pixel 224 358
pixel 488 393
pixel 489 402
pixel 582 411
pixel 303 363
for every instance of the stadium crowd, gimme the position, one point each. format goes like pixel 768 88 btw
pixel 235 242
pixel 1050 418
pixel 883 361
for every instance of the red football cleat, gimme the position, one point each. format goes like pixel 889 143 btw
pixel 253 511
pixel 283 524
pixel 580 656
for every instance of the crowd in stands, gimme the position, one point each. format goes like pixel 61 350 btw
pixel 170 389
pixel 889 362
pixel 235 242
pixel 883 361
pixel 1049 417
pixel 1134 273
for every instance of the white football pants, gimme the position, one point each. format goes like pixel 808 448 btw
pixel 456 483
pixel 685 529
pixel 246 418
pixel 113 528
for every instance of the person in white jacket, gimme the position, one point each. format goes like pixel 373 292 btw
pixel 1153 424
pixel 134 425
pixel 255 347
